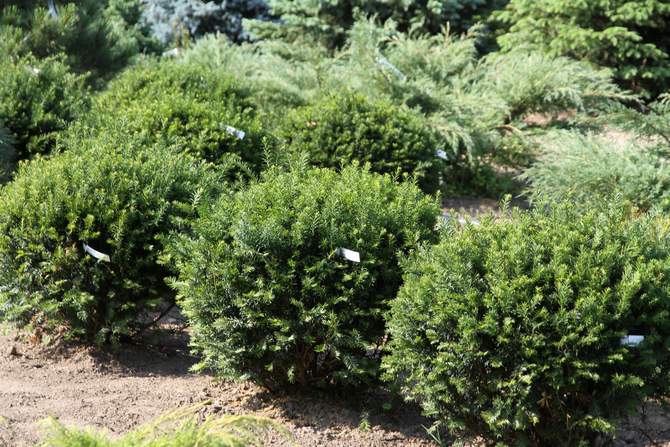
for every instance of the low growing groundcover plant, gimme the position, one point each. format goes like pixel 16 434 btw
pixel 180 428
pixel 512 330
pixel 271 293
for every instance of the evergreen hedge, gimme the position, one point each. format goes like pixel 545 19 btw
pixel 512 330
pixel 267 293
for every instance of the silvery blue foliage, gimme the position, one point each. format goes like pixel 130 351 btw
pixel 171 19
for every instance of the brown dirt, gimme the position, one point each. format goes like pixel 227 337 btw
pixel 120 391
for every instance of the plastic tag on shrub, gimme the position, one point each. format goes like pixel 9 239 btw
pixel 96 254
pixel 172 53
pixel 386 63
pixel 52 9
pixel 631 340
pixel 240 134
pixel 350 255
pixel 461 220
pixel 32 70
pixel 441 154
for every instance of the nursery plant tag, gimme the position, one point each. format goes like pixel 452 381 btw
pixel 632 340
pixel 386 63
pixel 351 255
pixel 441 154
pixel 52 9
pixel 172 53
pixel 240 134
pixel 96 254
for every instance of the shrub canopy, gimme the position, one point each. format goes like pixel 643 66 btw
pixel 628 36
pixel 192 108
pixel 512 330
pixel 93 36
pixel 39 98
pixel 117 199
pixel 329 22
pixel 346 127
pixel 269 297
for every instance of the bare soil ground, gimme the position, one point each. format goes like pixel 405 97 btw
pixel 84 387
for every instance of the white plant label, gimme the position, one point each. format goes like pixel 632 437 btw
pixel 386 63
pixel 632 340
pixel 96 254
pixel 441 154
pixel 240 134
pixel 351 255
pixel 52 9
pixel 172 53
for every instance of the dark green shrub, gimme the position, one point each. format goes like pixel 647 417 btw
pixel 628 36
pixel 91 33
pixel 266 292
pixel 590 169
pixel 512 330
pixel 349 127
pixel 7 154
pixel 116 198
pixel 39 99
pixel 329 22
pixel 186 106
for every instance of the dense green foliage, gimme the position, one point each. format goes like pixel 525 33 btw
pixel 329 22
pixel 630 161
pixel 38 100
pixel 348 127
pixel 628 36
pixel 116 198
pixel 184 106
pixel 511 330
pixel 269 297
pixel 7 154
pixel 178 429
pixel 92 35
pixel 478 105
pixel 588 170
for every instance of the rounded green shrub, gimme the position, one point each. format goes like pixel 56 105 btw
pixel 349 127
pixel 39 99
pixel 97 37
pixel 113 197
pixel 512 330
pixel 196 109
pixel 267 291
